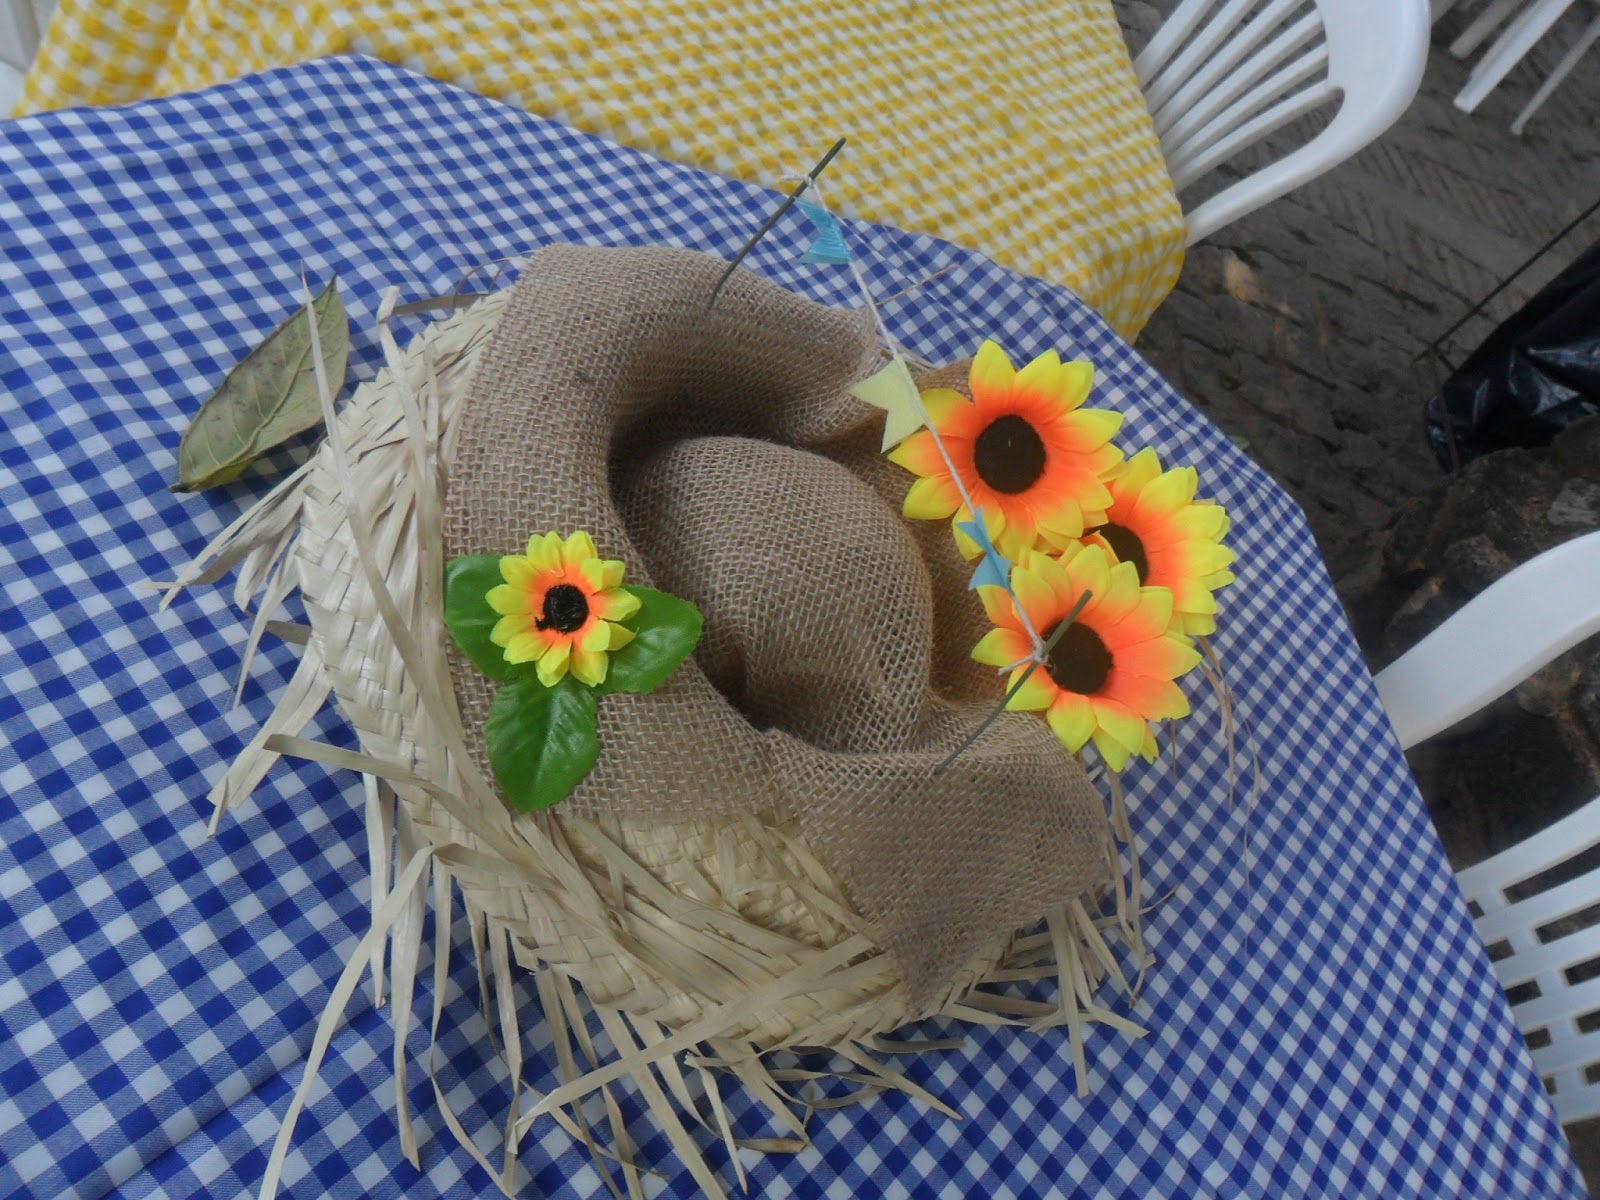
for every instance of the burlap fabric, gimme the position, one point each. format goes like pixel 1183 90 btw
pixel 721 457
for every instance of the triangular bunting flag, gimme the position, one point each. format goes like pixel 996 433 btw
pixel 994 569
pixel 828 247
pixel 893 390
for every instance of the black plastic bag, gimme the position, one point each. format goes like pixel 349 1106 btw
pixel 1531 378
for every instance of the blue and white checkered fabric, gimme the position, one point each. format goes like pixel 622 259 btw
pixel 1324 1022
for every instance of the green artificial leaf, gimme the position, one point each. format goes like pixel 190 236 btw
pixel 666 630
pixel 541 741
pixel 268 398
pixel 467 614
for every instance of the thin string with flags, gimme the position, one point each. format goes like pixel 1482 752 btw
pixel 894 391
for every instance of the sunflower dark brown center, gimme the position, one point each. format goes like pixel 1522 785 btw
pixel 1009 455
pixel 1125 544
pixel 566 608
pixel 1079 662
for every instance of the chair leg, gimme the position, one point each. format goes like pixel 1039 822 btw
pixel 1485 23
pixel 1563 69
pixel 1509 49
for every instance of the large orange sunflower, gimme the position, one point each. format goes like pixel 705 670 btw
pixel 1025 449
pixel 559 606
pixel 1112 672
pixel 1172 539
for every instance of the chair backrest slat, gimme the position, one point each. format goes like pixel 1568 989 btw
pixel 1174 32
pixel 1221 75
pixel 1207 38
pixel 1203 127
pixel 1243 55
pixel 1565 1052
pixel 1188 169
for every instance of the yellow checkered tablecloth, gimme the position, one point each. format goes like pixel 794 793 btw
pixel 1012 126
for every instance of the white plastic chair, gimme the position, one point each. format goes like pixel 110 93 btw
pixel 1517 625
pixel 1220 75
pixel 1562 69
pixel 1514 44
pixel 1494 15
pixel 1507 50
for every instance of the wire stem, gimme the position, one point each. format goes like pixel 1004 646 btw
pixel 1050 645
pixel 811 177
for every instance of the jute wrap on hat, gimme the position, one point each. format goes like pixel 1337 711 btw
pixel 720 455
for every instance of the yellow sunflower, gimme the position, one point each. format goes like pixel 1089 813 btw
pixel 1026 450
pixel 1172 539
pixel 560 606
pixel 1112 672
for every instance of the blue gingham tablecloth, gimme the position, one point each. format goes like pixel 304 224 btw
pixel 1323 1020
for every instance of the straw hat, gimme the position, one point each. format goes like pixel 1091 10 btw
pixel 763 855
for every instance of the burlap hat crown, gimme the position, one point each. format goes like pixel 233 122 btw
pixel 719 454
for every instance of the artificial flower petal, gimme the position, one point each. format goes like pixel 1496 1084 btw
pixel 1090 570
pixel 1036 597
pixel 1092 428
pixel 544 552
pixel 1199 521
pixel 1078 378
pixel 554 662
pixel 997 605
pixel 589 666
pixel 941 403
pixel 1139 470
pixel 508 599
pixel 617 605
pixel 1072 720
pixel 1055 577
pixel 1116 720
pixel 1043 374
pixel 507 628
pixel 1116 755
pixel 1165 495
pixel 931 499
pixel 918 454
pixel 578 547
pixel 1193 596
pixel 991 370
pixel 1001 648
pixel 516 570
pixel 1152 699
pixel 1121 596
pixel 1150 616
pixel 1165 656
pixel 524 647
pixel 1036 693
